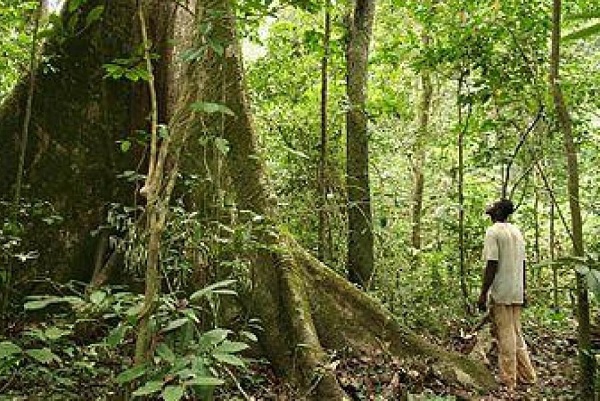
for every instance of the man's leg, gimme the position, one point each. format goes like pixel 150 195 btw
pixel 525 371
pixel 507 357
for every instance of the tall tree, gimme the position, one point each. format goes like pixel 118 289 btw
pixel 324 246
pixel 565 123
pixel 419 153
pixel 360 219
pixel 463 126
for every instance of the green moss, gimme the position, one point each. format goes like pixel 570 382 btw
pixel 72 158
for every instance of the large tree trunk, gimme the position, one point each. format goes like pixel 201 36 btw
pixel 305 308
pixel 360 219
pixel 586 356
pixel 72 159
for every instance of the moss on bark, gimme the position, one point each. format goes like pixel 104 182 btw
pixel 73 158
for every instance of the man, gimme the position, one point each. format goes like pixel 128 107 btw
pixel 504 289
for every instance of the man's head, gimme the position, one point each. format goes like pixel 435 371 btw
pixel 500 210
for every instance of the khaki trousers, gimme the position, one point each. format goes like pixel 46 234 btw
pixel 513 357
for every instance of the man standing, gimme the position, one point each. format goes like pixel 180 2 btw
pixel 503 290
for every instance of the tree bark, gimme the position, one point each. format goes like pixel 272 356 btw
pixel 360 220
pixel 586 357
pixel 77 116
pixel 463 127
pixel 552 244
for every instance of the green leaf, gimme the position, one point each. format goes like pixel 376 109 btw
pixel 228 359
pixel 214 336
pixel 225 291
pixel 173 393
pixel 222 145
pixel 217 48
pixel 131 374
pixel 132 75
pixel 186 373
pixel 593 279
pixel 116 336
pixel 125 146
pixel 134 311
pixel 175 324
pixel 231 347
pixel 250 336
pixel 204 107
pixel 193 54
pixel 583 16
pixel 205 381
pixel 54 333
pixel 584 32
pixel 208 289
pixel 94 15
pixel 165 353
pixel 42 355
pixel 75 4
pixel 72 23
pixel 148 388
pixel 97 297
pixel 8 348
pixel 297 153
pixel 163 131
pixel 38 334
pixel 42 303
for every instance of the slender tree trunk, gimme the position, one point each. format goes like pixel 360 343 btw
pixel 586 357
pixel 33 57
pixel 419 154
pixel 6 279
pixel 360 220
pixel 155 216
pixel 324 250
pixel 536 274
pixel 552 244
pixel 463 126
pixel 536 221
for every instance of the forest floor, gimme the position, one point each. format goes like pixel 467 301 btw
pixel 376 376
pixel 381 377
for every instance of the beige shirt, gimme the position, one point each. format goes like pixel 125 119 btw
pixel 504 243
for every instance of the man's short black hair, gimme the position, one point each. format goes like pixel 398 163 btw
pixel 501 209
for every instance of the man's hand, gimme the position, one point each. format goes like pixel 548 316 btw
pixel 482 302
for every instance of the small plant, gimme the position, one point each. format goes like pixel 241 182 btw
pixel 91 339
pixel 185 358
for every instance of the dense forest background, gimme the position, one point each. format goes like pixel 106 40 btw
pixel 177 222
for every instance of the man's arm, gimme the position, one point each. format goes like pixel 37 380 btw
pixel 488 278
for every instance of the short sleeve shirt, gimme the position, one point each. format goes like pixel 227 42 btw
pixel 504 243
